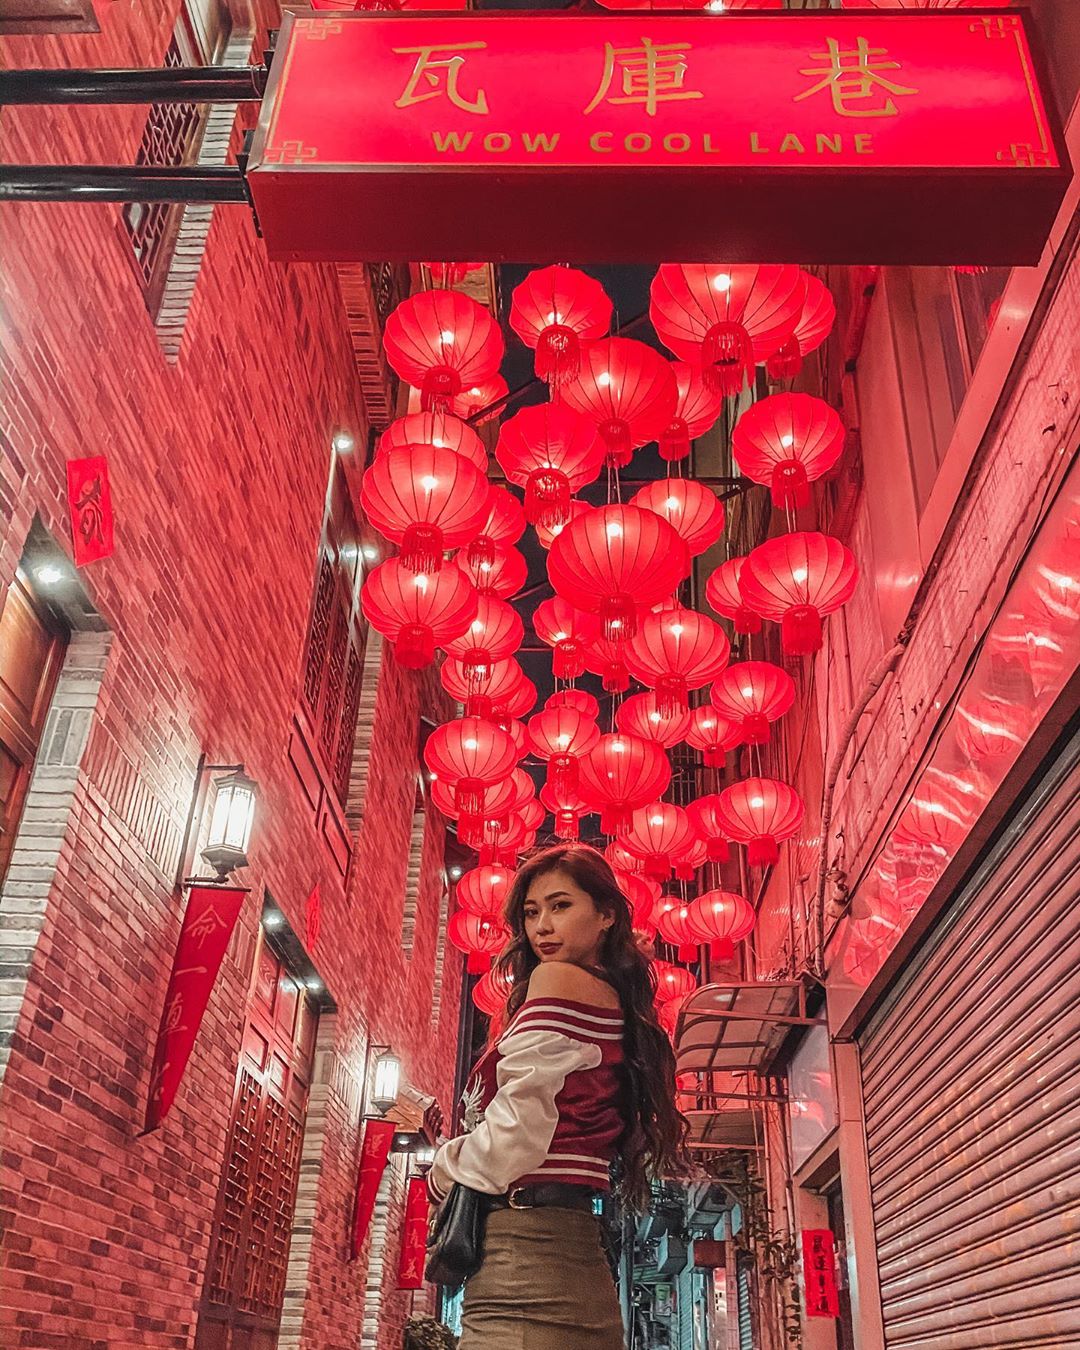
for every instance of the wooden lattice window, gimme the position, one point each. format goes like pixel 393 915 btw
pixel 245 1280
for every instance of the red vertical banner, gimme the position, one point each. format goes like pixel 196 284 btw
pixel 312 918
pixel 819 1273
pixel 413 1236
pixel 90 509
pixel 209 920
pixel 378 1136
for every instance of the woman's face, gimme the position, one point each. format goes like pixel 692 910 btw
pixel 562 922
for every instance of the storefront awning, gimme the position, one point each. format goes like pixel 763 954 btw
pixel 736 1028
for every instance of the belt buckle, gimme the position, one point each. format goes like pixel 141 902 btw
pixel 513 1202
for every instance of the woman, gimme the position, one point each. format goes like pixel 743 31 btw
pixel 582 1076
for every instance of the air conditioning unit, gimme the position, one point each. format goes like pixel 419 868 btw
pixel 670 1254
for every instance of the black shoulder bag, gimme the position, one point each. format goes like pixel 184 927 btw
pixel 455 1241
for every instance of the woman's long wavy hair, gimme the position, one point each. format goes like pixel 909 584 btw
pixel 653 1144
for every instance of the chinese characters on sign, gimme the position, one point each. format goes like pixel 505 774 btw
pixel 650 75
pixel 434 76
pixel 413 1236
pixel 90 509
pixel 854 79
pixel 378 1136
pixel 819 1273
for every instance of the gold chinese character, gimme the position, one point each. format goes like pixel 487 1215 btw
pixel 650 75
pixel 431 70
pixel 853 76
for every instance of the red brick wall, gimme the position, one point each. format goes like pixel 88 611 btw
pixel 219 469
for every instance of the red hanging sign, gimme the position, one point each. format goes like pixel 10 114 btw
pixel 209 920
pixel 90 509
pixel 378 1136
pixel 819 1273
pixel 414 1236
pixel 855 137
pixel 312 918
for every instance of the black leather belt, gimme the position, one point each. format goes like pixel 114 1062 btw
pixel 552 1194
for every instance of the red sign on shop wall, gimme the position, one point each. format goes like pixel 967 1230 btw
pixel 854 137
pixel 819 1273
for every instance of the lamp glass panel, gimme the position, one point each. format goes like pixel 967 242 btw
pixel 387 1078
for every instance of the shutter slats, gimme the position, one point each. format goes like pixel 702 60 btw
pixel 970 1088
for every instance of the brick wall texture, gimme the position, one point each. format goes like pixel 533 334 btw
pixel 219 454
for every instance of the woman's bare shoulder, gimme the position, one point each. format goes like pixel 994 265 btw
pixel 561 979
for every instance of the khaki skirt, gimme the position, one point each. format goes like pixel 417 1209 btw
pixel 545 1285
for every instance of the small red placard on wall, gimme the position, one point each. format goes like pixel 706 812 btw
pixel 90 509
pixel 819 1273
pixel 312 918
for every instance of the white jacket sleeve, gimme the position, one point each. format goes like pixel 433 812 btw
pixel 516 1132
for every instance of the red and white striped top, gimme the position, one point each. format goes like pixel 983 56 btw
pixel 542 1104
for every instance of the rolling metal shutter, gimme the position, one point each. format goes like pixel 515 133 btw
pixel 746 1313
pixel 971 1082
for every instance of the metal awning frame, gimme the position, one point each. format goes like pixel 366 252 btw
pixel 692 1017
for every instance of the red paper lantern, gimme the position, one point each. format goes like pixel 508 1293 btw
pixel 640 715
pixel 641 893
pixel 674 926
pixel 504 525
pixel 553 311
pixel 498 801
pixel 696 409
pixel 503 574
pixel 483 688
pixel 657 832
pixel 620 859
pixel 545 537
pixel 567 806
pixel 686 864
pixel 426 500
pixel 620 774
pixel 677 650
pixel 417 612
pixel 941 813
pixel 440 429
pixel 672 982
pixel 613 561
pixel 491 992
pixel 752 695
pixel 483 890
pixel 704 817
pixel 724 317
pixel 494 634
pixel 451 273
pixel 693 511
pixel 608 660
pixel 812 327
pixel 470 754
pixel 989 728
pixel 568 631
pixel 629 392
pixel 481 401
pixel 721 918
pixel 724 595
pixel 760 813
pixel 480 936
pixel 795 579
pixel 561 736
pixel 787 442
pixel 551 452
pixel 520 735
pixel 574 698
pixel 441 342
pixel 504 838
pixel 713 734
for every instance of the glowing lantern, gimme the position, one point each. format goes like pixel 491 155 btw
pixel 482 688
pixel 545 537
pixel 503 574
pixel 713 734
pixel 629 392
pixel 491 992
pixel 480 936
pixel 672 982
pixel 614 560
pixel 941 813
pixel 561 736
pixel 704 817
pixel 574 698
pixel 693 511
pixel 426 500
pixel 657 832
pixel 553 311
pixel 696 409
pixel 641 893
pixel 481 401
pixel 494 634
pixel 504 525
pixel 723 594
pixel 483 890
pixel 498 801
pixel 441 342
pixel 812 327
pixel 469 754
pixel 640 715
pixel 787 442
pixel 519 733
pixel 620 774
pixel 674 651
pixel 721 918
pixel 568 631
pixel 753 694
pixel 796 579
pixel 608 660
pixel 622 860
pixel 417 612
pixel 760 813
pixel 439 429
pixel 451 273
pixel 723 317
pixel 567 807
pixel 987 727
pixel 506 837
pixel 674 926
pixel 686 864
pixel 551 452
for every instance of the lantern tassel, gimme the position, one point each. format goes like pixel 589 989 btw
pixel 441 386
pixel 479 705
pixel 566 825
pixel 722 949
pixel 718 849
pixel 786 362
pixel 481 552
pixel 558 355
pixel 800 631
pixel 415 647
pixel 469 796
pixel 746 621
pixel 671 695
pixel 763 851
pixel 616 678
pixel 562 775
pixel 687 951
pixel 547 498
pixel 615 433
pixel 568 660
pixel 471 830
pixel 614 819
pixel 479 963
pixel 422 549
pixel 713 757
pixel 727 357
pixel 657 867
pixel 476 667
pixel 684 871
pixel 790 486
pixel 619 614
pixel 755 729
pixel 675 440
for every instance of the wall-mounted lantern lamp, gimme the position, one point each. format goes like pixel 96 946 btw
pixel 383 1080
pixel 231 820
pixel 424 1156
